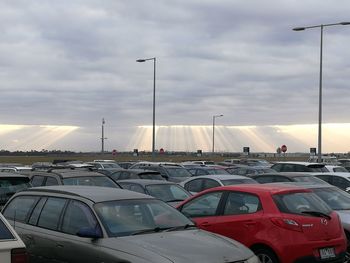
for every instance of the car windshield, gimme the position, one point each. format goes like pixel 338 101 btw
pixel 300 203
pixel 9 186
pixel 167 192
pixel 238 181
pixel 129 217
pixel 90 180
pixel 178 172
pixel 111 165
pixel 265 171
pixel 316 168
pixel 340 170
pixel 217 171
pixel 334 197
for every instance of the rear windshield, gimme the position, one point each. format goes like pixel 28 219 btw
pixel 238 181
pixel 178 172
pixel 336 199
pixel 317 168
pixel 5 233
pixel 152 176
pixel 91 181
pixel 300 203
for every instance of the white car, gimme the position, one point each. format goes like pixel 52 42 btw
pixel 340 180
pixel 336 169
pixel 198 184
pixel 12 249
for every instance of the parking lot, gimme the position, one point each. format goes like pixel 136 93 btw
pixel 235 210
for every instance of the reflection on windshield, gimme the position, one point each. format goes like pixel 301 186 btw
pixel 178 172
pixel 90 181
pixel 334 197
pixel 167 192
pixel 128 217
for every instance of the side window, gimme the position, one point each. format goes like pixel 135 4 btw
pixel 205 205
pixel 194 186
pixel 124 175
pixel 201 172
pixel 137 188
pixel 340 182
pixel 33 220
pixel 324 178
pixel 76 217
pixel 301 168
pixel 116 175
pixel 241 203
pixel 50 215
pixel 241 171
pixel 209 183
pixel 37 180
pixel 5 233
pixel 288 168
pixel 51 181
pixel 277 167
pixel 20 207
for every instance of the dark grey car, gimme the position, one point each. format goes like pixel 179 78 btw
pixel 98 224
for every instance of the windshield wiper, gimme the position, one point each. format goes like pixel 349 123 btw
pixel 175 228
pixel 151 230
pixel 175 200
pixel 317 213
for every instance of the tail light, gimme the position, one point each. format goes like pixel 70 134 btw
pixel 19 255
pixel 286 223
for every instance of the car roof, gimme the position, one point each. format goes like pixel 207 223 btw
pixel 94 193
pixel 145 182
pixel 272 188
pixel 287 174
pixel 301 163
pixel 12 175
pixel 67 173
pixel 344 175
pixel 308 185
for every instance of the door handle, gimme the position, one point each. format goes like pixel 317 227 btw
pixel 205 224
pixel 59 246
pixel 250 223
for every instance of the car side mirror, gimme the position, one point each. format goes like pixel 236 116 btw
pixel 89 232
pixel 165 176
pixel 347 189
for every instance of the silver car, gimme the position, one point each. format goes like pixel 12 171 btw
pixel 97 224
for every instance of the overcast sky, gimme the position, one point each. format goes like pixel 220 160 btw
pixel 73 62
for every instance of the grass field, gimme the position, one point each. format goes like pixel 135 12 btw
pixel 27 160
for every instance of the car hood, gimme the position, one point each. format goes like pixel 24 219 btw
pixel 184 246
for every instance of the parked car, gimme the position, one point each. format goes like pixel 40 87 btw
pixel 15 169
pixel 134 174
pixel 199 162
pixel 12 248
pixel 299 167
pixel 336 169
pixel 71 177
pixel 207 170
pixel 10 184
pixel 200 183
pixel 287 177
pixel 280 223
pixel 330 160
pixel 97 224
pixel 104 165
pixel 255 162
pixel 340 180
pixel 336 199
pixel 169 192
pixel 249 170
pixel 170 171
pixel 345 163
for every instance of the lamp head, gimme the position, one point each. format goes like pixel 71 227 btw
pixel 140 60
pixel 344 23
pixel 299 28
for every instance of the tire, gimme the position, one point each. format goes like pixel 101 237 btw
pixel 266 255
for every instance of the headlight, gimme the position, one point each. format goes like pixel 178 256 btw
pixel 253 259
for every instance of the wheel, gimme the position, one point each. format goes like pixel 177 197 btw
pixel 266 255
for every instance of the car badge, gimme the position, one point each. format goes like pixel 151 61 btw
pixel 324 221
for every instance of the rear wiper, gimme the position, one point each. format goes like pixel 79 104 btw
pixel 175 200
pixel 175 228
pixel 317 213
pixel 151 230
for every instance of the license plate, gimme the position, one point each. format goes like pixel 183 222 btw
pixel 327 253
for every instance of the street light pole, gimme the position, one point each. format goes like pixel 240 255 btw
pixel 103 136
pixel 154 104
pixel 319 158
pixel 214 116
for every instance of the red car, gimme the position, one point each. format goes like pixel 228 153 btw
pixel 280 223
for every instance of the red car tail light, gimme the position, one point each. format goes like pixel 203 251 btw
pixel 286 223
pixel 19 255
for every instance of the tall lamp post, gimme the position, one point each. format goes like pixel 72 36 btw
pixel 103 136
pixel 320 81
pixel 154 105
pixel 214 117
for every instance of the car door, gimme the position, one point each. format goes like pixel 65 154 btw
pixel 69 247
pixel 240 217
pixel 203 210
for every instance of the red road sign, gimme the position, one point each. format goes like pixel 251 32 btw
pixel 283 148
